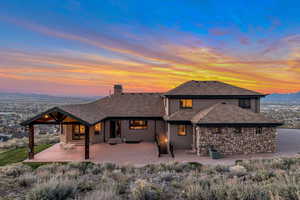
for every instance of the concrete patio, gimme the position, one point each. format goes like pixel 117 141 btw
pixel 146 153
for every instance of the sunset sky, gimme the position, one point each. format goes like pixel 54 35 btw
pixel 82 48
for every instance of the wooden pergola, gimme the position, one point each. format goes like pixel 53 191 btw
pixel 55 116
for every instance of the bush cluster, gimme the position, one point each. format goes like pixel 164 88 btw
pixel 247 180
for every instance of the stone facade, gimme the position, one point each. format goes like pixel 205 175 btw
pixel 229 141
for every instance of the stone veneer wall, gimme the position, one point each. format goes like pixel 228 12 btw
pixel 228 142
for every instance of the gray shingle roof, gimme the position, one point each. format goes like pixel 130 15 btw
pixel 230 114
pixel 209 88
pixel 181 115
pixel 123 105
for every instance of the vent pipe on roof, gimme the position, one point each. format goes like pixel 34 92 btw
pixel 118 89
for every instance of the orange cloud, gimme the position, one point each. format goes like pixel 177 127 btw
pixel 142 68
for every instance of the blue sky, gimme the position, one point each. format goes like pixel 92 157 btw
pixel 78 47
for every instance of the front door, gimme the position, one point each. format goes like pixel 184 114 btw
pixel 115 129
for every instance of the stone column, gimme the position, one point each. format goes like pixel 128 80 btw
pixel 31 142
pixel 87 143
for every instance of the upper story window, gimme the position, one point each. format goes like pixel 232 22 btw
pixel 245 103
pixel 182 130
pixel 98 128
pixel 78 132
pixel 138 124
pixel 186 103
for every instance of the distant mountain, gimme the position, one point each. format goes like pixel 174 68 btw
pixel 21 97
pixel 293 98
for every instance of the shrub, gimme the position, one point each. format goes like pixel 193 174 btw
pixel 55 189
pixel 15 170
pixel 238 170
pixel 27 179
pixel 103 193
pixel 143 190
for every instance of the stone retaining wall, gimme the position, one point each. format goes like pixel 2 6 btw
pixel 228 142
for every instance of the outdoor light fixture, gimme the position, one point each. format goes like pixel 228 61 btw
pixel 46 116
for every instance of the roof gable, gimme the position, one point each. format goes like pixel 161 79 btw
pixel 210 88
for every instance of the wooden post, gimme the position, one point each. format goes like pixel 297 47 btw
pixel 31 142
pixel 87 143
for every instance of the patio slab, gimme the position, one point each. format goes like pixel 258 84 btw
pixel 146 153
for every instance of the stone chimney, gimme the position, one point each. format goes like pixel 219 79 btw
pixel 118 89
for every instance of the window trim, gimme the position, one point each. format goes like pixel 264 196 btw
pixel 184 107
pixel 80 135
pixel 143 127
pixel 185 129
pixel 242 103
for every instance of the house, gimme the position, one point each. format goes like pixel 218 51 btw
pixel 194 116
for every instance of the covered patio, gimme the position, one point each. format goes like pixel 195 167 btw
pixel 58 116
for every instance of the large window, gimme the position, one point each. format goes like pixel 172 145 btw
pixel 186 103
pixel 245 103
pixel 182 130
pixel 78 132
pixel 138 124
pixel 98 128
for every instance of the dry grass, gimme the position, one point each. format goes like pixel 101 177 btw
pixel 275 179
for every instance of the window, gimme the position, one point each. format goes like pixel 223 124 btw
pixel 216 130
pixel 245 103
pixel 186 103
pixel 238 130
pixel 259 130
pixel 98 128
pixel 138 124
pixel 78 132
pixel 182 130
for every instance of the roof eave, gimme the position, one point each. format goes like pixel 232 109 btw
pixel 54 109
pixel 176 96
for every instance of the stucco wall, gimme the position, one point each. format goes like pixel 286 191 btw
pixel 228 142
pixel 180 142
pixel 199 104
